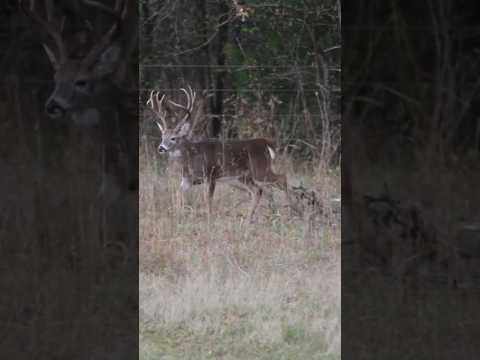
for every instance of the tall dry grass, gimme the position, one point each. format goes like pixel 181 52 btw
pixel 225 289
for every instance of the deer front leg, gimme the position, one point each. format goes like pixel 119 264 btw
pixel 211 191
pixel 185 185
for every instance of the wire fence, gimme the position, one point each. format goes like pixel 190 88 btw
pixel 234 90
pixel 335 88
pixel 49 82
pixel 243 67
pixel 270 116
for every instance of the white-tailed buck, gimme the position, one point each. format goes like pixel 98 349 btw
pixel 90 74
pixel 95 91
pixel 243 163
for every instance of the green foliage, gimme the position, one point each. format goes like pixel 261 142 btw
pixel 285 38
pixel 294 333
pixel 234 56
pixel 274 50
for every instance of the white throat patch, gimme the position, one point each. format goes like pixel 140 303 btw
pixel 175 153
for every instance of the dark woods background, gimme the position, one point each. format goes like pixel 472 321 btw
pixel 69 282
pixel 410 169
pixel 261 69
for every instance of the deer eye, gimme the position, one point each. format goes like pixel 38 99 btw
pixel 173 138
pixel 81 83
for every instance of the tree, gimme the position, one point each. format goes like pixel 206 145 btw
pixel 266 69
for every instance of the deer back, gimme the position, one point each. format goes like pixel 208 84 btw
pixel 231 158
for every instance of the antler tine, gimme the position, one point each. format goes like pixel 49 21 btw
pixel 119 13
pixel 189 99
pixel 150 101
pixel 162 129
pixel 180 105
pixel 189 107
pixel 162 113
pixel 190 96
pixel 156 105
pixel 54 31
pixel 193 94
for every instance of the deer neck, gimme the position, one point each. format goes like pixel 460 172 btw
pixel 182 150
pixel 88 117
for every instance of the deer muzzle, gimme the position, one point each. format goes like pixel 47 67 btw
pixel 54 110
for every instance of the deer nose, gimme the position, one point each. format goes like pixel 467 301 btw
pixel 161 149
pixel 54 110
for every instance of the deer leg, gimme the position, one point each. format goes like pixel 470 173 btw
pixel 184 186
pixel 239 185
pixel 280 182
pixel 211 191
pixel 256 195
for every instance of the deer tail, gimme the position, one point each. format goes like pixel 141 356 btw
pixel 271 152
pixel 271 148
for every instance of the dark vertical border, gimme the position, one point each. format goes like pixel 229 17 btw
pixel 410 251
pixel 68 256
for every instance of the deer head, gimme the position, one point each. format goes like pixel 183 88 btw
pixel 81 82
pixel 172 138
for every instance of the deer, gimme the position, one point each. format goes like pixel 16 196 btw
pixel 243 164
pixel 89 76
pixel 88 80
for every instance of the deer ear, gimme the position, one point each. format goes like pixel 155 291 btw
pixel 184 129
pixel 51 56
pixel 108 61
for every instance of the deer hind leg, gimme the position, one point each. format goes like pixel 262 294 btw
pixel 240 185
pixel 280 182
pixel 256 192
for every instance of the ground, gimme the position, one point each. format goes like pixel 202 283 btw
pixel 221 288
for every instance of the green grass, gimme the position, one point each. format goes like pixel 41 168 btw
pixel 232 340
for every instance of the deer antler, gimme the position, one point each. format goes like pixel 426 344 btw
pixel 54 30
pixel 115 12
pixel 191 95
pixel 156 104
pixel 119 13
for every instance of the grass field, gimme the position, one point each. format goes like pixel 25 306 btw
pixel 221 288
